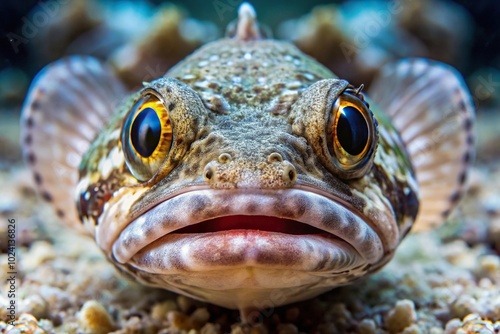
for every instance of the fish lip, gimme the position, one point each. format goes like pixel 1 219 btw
pixel 160 220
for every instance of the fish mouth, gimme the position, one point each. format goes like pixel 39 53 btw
pixel 246 223
pixel 205 229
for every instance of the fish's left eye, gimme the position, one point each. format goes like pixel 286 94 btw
pixel 146 137
pixel 353 133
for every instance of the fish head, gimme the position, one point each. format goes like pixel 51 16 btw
pixel 246 165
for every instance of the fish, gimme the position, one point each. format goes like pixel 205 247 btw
pixel 249 176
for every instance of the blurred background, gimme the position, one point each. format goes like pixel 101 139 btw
pixel 142 39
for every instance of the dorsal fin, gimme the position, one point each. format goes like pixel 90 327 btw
pixel 432 109
pixel 68 103
pixel 246 27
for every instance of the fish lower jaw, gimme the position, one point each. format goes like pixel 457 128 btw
pixel 249 287
pixel 243 269
pixel 217 251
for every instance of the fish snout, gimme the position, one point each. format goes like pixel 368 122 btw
pixel 268 172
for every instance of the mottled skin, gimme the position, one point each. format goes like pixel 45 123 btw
pixel 250 137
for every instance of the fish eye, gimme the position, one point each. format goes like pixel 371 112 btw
pixel 145 132
pixel 146 137
pixel 353 133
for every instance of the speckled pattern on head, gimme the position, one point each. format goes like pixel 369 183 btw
pixel 249 170
pixel 238 72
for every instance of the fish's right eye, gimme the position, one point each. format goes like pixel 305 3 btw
pixel 145 133
pixel 146 137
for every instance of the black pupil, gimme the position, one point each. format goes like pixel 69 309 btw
pixel 352 130
pixel 146 131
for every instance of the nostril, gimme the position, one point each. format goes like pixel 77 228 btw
pixel 224 158
pixel 208 173
pixel 274 157
pixel 289 173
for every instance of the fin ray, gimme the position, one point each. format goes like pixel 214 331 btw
pixel 68 103
pixel 429 104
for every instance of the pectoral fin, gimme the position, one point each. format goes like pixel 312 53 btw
pixel 432 109
pixel 68 104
